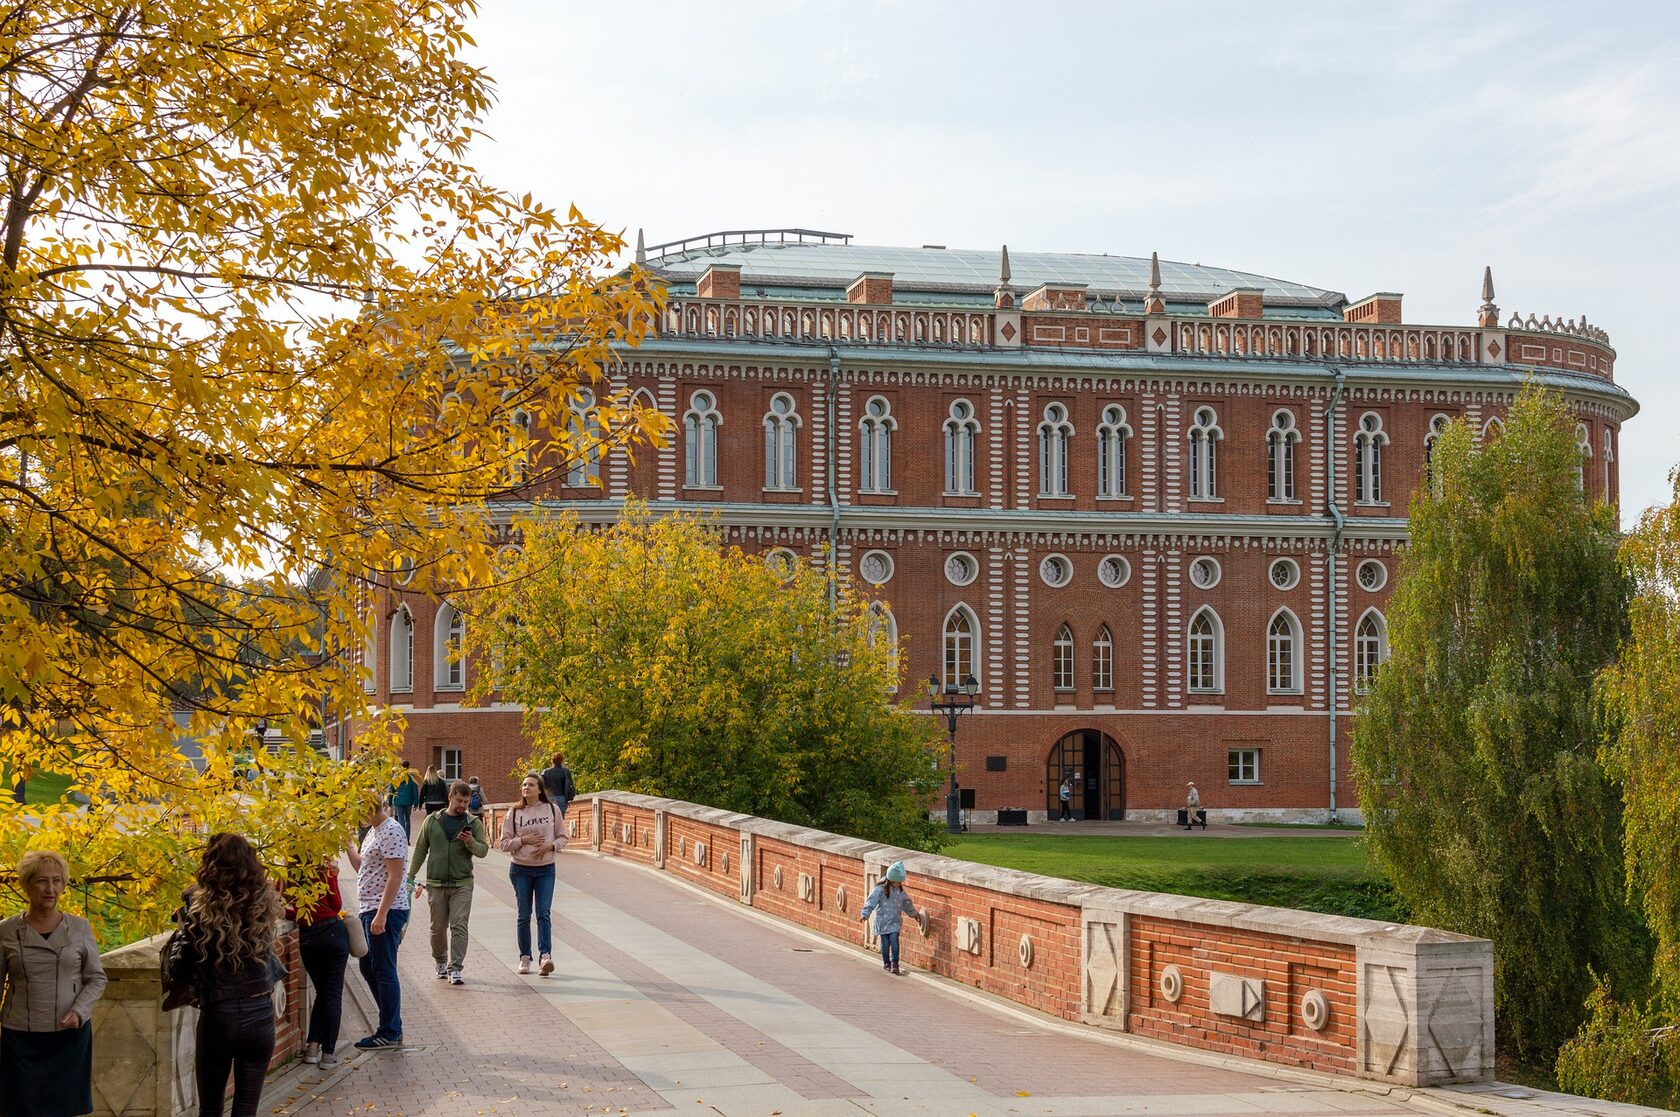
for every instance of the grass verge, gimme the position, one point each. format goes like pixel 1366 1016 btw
pixel 1311 874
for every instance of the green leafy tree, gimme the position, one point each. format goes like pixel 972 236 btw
pixel 664 662
pixel 1475 751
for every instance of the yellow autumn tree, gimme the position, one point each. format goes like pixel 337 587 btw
pixel 267 340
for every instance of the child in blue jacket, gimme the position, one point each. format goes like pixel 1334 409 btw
pixel 890 903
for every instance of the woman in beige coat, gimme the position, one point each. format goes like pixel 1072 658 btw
pixel 51 976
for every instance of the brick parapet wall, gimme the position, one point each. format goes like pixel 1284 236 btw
pixel 1394 1003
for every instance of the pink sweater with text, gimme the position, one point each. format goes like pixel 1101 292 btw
pixel 533 835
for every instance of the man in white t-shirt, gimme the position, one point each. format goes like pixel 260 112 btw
pixel 383 903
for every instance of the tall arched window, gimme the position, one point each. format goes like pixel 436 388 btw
pixel 1102 660
pixel 1368 442
pixel 883 626
pixel 1438 427
pixel 875 446
pixel 449 671
pixel 962 646
pixel 960 432
pixel 1112 435
pixel 1054 433
pixel 516 444
pixel 1609 473
pixel 583 452
pixel 781 427
pixel 1062 659
pixel 1283 654
pixel 700 441
pixel 1204 454
pixel 1370 648
pixel 1205 648
pixel 370 656
pixel 1280 456
pixel 402 650
pixel 1583 453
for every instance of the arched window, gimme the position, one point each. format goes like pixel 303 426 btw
pixel 583 450
pixel 1206 653
pixel 1437 427
pixel 1368 442
pixel 1370 648
pixel 1283 654
pixel 1062 659
pixel 1204 454
pixel 962 647
pixel 1280 456
pixel 1053 436
pixel 1583 452
pixel 960 431
pixel 1493 428
pixel 700 441
pixel 1609 473
pixel 883 626
pixel 781 426
pixel 516 443
pixel 1102 660
pixel 449 671
pixel 1112 435
pixel 875 446
pixel 402 650
pixel 370 655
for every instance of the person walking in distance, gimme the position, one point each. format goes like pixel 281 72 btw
pixel 1066 797
pixel 50 977
pixel 324 946
pixel 891 904
pixel 230 924
pixel 557 781
pixel 533 833
pixel 448 842
pixel 475 797
pixel 434 792
pixel 405 798
pixel 383 904
pixel 1192 804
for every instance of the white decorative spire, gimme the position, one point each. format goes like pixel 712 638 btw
pixel 641 248
pixel 1489 316
pixel 1003 296
pixel 1154 304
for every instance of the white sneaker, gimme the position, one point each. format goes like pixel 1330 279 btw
pixel 524 966
pixel 312 1053
pixel 455 978
pixel 328 1060
pixel 547 966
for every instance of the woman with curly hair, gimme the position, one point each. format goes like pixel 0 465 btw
pixel 229 922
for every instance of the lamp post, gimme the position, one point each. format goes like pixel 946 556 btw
pixel 951 701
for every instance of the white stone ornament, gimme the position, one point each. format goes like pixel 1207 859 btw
pixel 968 934
pixel 723 860
pixel 776 878
pixel 923 920
pixel 1025 951
pixel 1231 994
pixel 700 853
pixel 840 897
pixel 1172 983
pixel 1315 1010
pixel 807 888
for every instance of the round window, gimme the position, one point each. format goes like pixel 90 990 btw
pixel 1056 571
pixel 1285 574
pixel 876 567
pixel 961 568
pixel 1114 571
pixel 405 571
pixel 1372 575
pixel 1204 573
pixel 781 562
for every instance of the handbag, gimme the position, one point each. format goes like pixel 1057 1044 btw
pixel 357 933
pixel 178 966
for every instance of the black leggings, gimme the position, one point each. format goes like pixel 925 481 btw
pixel 238 1037
pixel 325 947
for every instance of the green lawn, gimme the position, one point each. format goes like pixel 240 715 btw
pixel 1316 874
pixel 43 788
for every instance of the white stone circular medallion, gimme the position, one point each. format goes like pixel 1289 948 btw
pixel 776 878
pixel 1026 951
pixel 840 897
pixel 1172 983
pixel 1315 1010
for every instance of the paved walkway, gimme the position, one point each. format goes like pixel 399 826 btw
pixel 667 999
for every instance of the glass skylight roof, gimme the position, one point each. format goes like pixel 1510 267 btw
pixel 972 269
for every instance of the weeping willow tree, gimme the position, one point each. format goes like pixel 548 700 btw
pixel 1476 750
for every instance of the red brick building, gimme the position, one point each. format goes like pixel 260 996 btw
pixel 1154 508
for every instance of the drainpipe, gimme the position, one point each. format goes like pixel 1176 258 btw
pixel 833 489
pixel 1337 524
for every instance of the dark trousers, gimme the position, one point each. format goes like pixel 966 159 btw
pixel 234 1037
pixel 1066 815
pixel 379 970
pixel 401 815
pixel 325 947
pixel 533 888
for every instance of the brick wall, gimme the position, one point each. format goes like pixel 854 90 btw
pixel 1393 1003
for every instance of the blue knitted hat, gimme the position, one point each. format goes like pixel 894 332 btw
pixel 895 872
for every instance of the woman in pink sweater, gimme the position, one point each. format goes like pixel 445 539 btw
pixel 533 832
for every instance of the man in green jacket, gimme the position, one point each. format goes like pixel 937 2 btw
pixel 447 844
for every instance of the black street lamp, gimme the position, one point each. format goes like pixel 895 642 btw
pixel 951 701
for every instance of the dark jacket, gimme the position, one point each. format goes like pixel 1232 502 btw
pixel 407 793
pixel 435 791
pixel 218 981
pixel 557 781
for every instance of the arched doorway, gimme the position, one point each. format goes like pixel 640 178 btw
pixel 1097 767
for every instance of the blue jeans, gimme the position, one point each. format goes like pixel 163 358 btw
pixel 889 948
pixel 534 885
pixel 379 970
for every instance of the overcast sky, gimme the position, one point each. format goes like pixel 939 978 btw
pixel 1359 148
